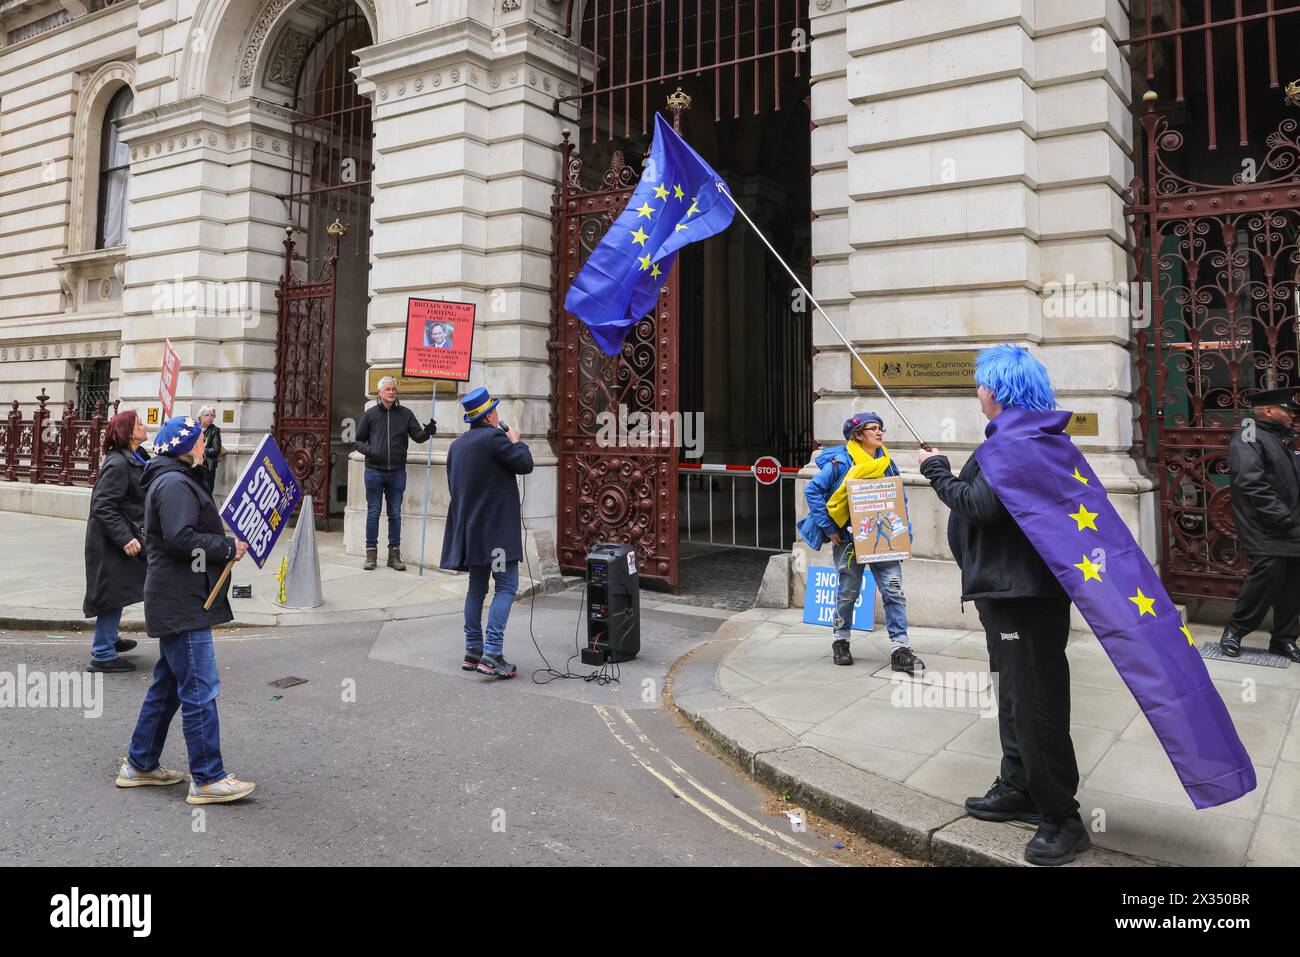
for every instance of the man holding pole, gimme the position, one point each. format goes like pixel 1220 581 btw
pixel 385 430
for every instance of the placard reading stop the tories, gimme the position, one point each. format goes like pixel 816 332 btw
pixel 262 501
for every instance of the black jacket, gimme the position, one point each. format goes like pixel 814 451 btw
pixel 114 579
pixel 383 434
pixel 484 512
pixel 212 450
pixel 187 550
pixel 995 557
pixel 1265 491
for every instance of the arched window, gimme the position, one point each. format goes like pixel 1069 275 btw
pixel 114 174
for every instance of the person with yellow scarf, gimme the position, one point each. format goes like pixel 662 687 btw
pixel 863 456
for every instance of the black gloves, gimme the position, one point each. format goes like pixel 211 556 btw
pixel 431 428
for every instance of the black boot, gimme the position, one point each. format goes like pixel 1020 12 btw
pixel 840 651
pixel 395 560
pixel 124 644
pixel 1286 649
pixel 1230 642
pixel 1002 803
pixel 1058 842
pixel 112 665
pixel 372 555
pixel 902 659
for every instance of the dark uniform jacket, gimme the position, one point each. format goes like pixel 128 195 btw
pixel 1265 490
pixel 995 557
pixel 484 513
pixel 183 532
pixel 115 579
pixel 383 435
pixel 212 451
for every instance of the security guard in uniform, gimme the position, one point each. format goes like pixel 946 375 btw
pixel 1265 471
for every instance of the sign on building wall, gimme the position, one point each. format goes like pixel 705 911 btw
pixel 171 373
pixel 917 370
pixel 822 592
pixel 439 339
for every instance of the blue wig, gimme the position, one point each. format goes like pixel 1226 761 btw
pixel 1015 378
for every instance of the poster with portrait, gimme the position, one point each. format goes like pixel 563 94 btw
pixel 439 339
pixel 878 517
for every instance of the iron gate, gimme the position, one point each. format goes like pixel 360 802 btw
pixel 1223 262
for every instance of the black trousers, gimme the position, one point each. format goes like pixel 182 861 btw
pixel 1026 641
pixel 1273 582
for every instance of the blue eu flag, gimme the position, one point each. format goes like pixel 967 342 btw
pixel 677 201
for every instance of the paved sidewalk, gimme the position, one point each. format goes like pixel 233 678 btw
pixel 43 581
pixel 897 758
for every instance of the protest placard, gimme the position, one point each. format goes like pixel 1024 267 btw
pixel 878 518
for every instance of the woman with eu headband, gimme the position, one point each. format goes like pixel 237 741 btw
pixel 1026 617
pixel 115 563
pixel 187 549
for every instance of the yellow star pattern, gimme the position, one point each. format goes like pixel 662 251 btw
pixel 1186 631
pixel 645 210
pixel 1090 571
pixel 1146 606
pixel 661 191
pixel 644 261
pixel 654 271
pixel 1085 518
pixel 677 192
pixel 640 236
pixel 1080 477
pixel 695 208
pixel 679 227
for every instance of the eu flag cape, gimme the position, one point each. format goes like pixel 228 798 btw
pixel 678 200
pixel 1057 501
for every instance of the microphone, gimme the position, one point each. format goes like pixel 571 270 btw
pixel 503 427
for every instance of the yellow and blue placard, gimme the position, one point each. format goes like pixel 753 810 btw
pixel 262 501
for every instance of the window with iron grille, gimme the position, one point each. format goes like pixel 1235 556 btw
pixel 92 386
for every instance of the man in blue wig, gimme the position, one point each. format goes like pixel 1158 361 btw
pixel 863 455
pixel 1026 617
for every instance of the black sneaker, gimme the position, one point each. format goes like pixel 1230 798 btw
pixel 840 651
pixel 116 664
pixel 1058 842
pixel 1287 649
pixel 472 658
pixel 124 644
pixel 902 659
pixel 1230 643
pixel 495 665
pixel 1003 803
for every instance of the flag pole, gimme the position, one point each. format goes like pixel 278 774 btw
pixel 836 329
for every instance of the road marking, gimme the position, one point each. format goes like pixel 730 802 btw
pixel 672 786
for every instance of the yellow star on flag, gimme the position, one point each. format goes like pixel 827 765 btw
pixel 695 208
pixel 654 272
pixel 1080 477
pixel 640 236
pixel 677 192
pixel 644 261
pixel 679 226
pixel 1186 631
pixel 661 191
pixel 1085 518
pixel 1146 606
pixel 1090 571
pixel 645 210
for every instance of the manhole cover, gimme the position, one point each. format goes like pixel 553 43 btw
pixel 288 682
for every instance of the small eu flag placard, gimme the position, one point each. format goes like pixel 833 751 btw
pixel 824 586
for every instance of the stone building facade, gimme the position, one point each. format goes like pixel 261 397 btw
pixel 963 158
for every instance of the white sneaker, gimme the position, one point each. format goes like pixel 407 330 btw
pixel 228 789
pixel 131 777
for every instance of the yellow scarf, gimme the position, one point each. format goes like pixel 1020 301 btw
pixel 864 467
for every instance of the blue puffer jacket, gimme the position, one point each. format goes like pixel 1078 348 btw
pixel 834 463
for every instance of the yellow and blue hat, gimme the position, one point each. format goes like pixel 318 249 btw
pixel 177 436
pixel 478 404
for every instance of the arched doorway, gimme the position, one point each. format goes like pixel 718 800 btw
pixel 321 344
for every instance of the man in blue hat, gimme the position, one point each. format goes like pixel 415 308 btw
pixel 482 535
pixel 385 430
pixel 864 453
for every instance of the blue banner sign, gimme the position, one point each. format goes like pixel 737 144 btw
pixel 823 587
pixel 262 501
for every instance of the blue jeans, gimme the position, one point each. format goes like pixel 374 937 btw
pixel 185 677
pixel 106 626
pixel 503 596
pixel 889 582
pixel 384 485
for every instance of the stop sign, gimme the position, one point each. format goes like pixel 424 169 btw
pixel 767 470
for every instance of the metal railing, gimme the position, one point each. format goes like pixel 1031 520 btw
pixel 716 506
pixel 48 450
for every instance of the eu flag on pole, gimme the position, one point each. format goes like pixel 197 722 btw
pixel 677 201
pixel 1060 505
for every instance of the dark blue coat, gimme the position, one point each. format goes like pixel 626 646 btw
pixel 484 513
pixel 113 578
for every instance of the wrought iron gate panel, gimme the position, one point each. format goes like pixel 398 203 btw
pixel 1223 264
pixel 609 493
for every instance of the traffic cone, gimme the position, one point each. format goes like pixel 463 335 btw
pixel 301 588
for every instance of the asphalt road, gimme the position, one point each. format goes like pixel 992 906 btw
pixel 428 765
